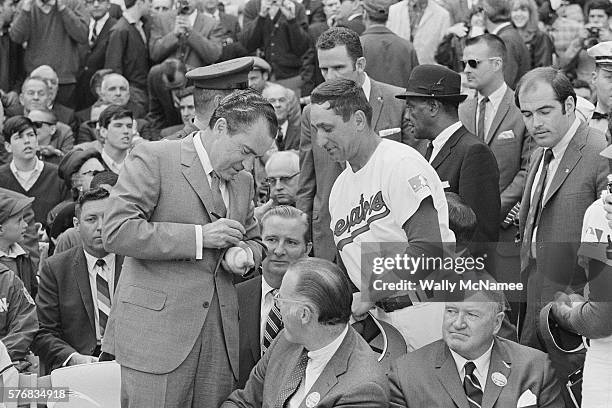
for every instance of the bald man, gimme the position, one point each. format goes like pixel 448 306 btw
pixel 282 171
pixel 63 113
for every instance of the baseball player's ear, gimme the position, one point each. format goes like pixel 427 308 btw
pixel 360 119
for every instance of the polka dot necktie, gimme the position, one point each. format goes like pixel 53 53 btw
pixel 293 382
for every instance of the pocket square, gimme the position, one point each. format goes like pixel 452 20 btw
pixel 445 184
pixel 527 399
pixel 388 132
pixel 508 134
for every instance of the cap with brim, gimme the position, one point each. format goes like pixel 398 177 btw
pixel 433 81
pixel 602 53
pixel 226 75
pixel 12 204
pixel 377 8
pixel 261 64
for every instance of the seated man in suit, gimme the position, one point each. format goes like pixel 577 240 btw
pixel 465 164
pixel 471 366
pixel 63 113
pixel 284 231
pixel 76 291
pixel 318 358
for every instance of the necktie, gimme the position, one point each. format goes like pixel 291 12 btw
pixel 293 382
pixel 274 324
pixel 429 151
pixel 216 194
pixel 94 35
pixel 534 209
pixel 104 302
pixel 280 140
pixel 471 386
pixel 482 110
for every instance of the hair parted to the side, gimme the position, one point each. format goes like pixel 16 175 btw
pixel 336 36
pixel 495 44
pixel 345 98
pixel 326 286
pixel 242 109
pixel 561 85
pixel 93 194
pixel 113 112
pixel 16 125
pixel 289 213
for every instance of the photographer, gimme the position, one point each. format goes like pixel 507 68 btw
pixel 575 61
pixel 186 34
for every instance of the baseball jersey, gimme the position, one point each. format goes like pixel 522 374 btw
pixel 372 204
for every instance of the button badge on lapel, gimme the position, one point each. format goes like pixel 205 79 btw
pixel 313 399
pixel 499 379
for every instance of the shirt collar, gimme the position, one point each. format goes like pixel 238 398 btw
pixel 131 20
pixel 500 27
pixel 599 109
pixel 559 149
pixel 481 363
pixel 367 86
pixel 111 163
pixel 37 168
pixel 284 127
pixel 265 288
pixel 496 97
pixel 328 351
pixel 202 154
pixel 443 137
pixel 91 260
pixel 98 23
pixel 13 252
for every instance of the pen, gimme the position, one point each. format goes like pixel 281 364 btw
pixel 214 214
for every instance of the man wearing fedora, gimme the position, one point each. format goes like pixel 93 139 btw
pixel 464 163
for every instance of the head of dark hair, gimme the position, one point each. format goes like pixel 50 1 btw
pixel 598 5
pixel 461 218
pixel 496 45
pixel 336 36
pixel 113 112
pixel 288 212
pixel 104 177
pixel 242 109
pixel 498 11
pixel 326 286
pixel 173 73
pixel 130 3
pixel 345 98
pixel 96 79
pixel 93 194
pixel 207 100
pixel 560 84
pixel 16 125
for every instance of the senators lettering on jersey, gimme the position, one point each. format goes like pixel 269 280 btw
pixel 358 214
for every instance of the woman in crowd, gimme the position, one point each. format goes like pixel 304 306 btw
pixel 525 19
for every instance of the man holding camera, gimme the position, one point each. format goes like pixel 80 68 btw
pixel 186 34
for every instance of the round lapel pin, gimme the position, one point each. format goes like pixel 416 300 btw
pixel 499 379
pixel 313 399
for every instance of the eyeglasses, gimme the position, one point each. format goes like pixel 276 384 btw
pixel 473 63
pixel 278 299
pixel 283 179
pixel 40 124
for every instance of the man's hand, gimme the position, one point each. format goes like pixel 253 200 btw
pixel 238 259
pixel 181 25
pixel 77 359
pixel 459 29
pixel 287 7
pixel 264 8
pixel 360 309
pixel 262 209
pixel 222 233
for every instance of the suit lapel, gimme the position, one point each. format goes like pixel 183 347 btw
pixel 81 276
pixel 446 370
pixel 470 109
pixel 376 102
pixel 253 326
pixel 500 363
pixel 502 110
pixel 194 173
pixel 334 368
pixel 446 149
pixel 569 160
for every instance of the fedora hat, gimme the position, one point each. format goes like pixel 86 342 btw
pixel 433 81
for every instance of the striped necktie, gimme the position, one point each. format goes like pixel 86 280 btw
pixel 274 324
pixel 471 386
pixel 104 302
pixel 293 382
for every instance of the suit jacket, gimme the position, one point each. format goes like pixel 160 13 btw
pixel 186 131
pixel 351 378
pixel 391 57
pixel 470 168
pixel 127 54
pixel 518 60
pixel 356 24
pixel 292 137
pixel 318 172
pixel 65 307
pixel 249 307
pixel 94 58
pixel 66 115
pixel 202 47
pixel 578 181
pixel 428 377
pixel 158 198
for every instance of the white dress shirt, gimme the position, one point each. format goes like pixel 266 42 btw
pixel 482 366
pixel 27 179
pixel 114 166
pixel 13 251
pixel 558 152
pixel 491 107
pixel 599 124
pixel 367 86
pixel 267 300
pixel 317 360
pixel 439 142
pixel 98 25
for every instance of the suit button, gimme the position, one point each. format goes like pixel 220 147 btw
pixel 206 304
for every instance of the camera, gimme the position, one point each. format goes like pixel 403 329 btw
pixel 593 37
pixel 183 7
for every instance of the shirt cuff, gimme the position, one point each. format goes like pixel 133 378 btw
pixel 68 359
pixel 199 240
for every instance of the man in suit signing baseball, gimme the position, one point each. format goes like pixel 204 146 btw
pixel 471 366
pixel 318 359
pixel 182 214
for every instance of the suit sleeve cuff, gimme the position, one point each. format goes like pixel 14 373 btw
pixel 199 240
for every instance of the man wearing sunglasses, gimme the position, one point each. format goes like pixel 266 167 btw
pixel 54 138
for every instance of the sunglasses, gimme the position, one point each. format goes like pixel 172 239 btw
pixel 38 125
pixel 474 63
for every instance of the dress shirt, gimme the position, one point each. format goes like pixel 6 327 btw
pixel 500 27
pixel 13 251
pixel 366 86
pixel 439 142
pixel 113 165
pixel 137 25
pixel 27 178
pixel 97 24
pixel 491 107
pixel 599 124
pixel 558 152
pixel 317 360
pixel 482 366
pixel 283 128
pixel 109 273
pixel 267 300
